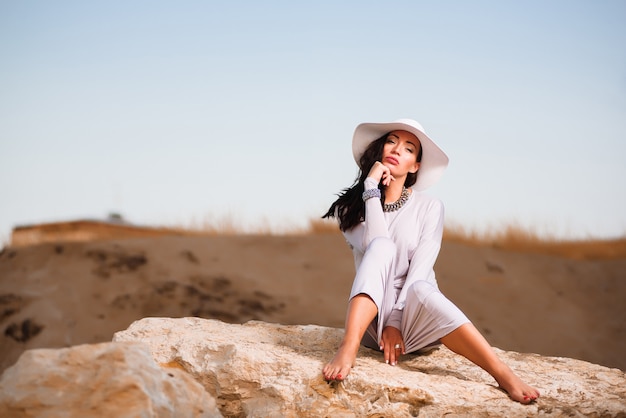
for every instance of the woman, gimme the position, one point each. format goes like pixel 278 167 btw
pixel 395 233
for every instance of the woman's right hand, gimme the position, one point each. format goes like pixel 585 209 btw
pixel 392 344
pixel 381 173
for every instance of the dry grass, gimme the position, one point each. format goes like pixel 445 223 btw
pixel 322 226
pixel 517 238
pixel 230 225
pixel 511 237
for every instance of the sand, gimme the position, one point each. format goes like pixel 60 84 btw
pixel 57 295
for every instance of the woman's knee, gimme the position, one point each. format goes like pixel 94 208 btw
pixel 421 289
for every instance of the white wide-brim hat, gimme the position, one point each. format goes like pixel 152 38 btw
pixel 434 160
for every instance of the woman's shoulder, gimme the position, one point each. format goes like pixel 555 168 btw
pixel 427 208
pixel 423 199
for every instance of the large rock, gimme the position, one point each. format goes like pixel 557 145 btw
pixel 267 370
pixel 100 380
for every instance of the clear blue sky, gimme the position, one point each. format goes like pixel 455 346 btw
pixel 177 112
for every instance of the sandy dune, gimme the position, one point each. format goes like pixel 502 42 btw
pixel 55 295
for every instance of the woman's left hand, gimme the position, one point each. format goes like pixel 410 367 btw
pixel 392 345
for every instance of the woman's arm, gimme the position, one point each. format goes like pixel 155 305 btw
pixel 375 223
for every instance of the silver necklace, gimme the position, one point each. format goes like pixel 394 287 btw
pixel 392 207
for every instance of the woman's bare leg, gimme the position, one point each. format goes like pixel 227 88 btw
pixel 468 341
pixel 361 311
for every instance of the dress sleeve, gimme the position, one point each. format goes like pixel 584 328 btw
pixel 375 223
pixel 421 265
pixel 394 319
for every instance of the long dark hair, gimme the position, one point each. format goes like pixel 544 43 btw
pixel 349 206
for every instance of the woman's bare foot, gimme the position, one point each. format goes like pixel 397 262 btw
pixel 339 367
pixel 515 387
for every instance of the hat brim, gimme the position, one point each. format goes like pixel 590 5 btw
pixel 434 160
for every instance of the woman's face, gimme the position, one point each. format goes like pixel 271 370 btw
pixel 400 153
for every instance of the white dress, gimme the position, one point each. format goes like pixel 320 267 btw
pixel 394 255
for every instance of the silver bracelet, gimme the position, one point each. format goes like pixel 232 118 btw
pixel 369 193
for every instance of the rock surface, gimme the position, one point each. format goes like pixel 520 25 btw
pixel 100 380
pixel 267 370
pixel 192 367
